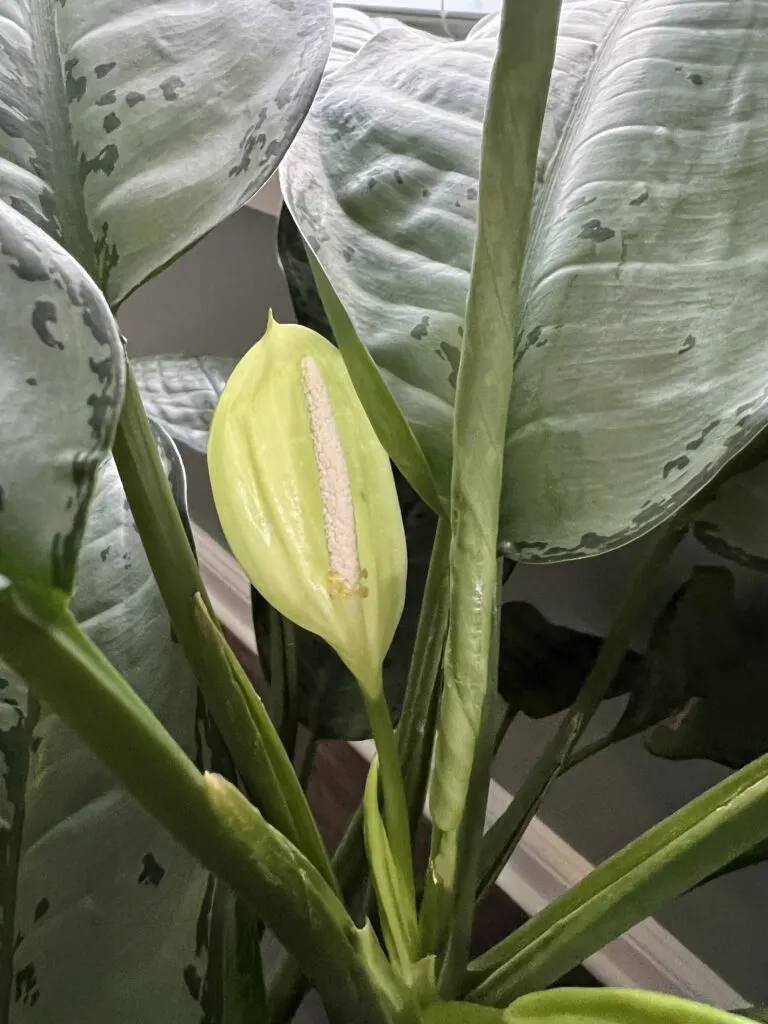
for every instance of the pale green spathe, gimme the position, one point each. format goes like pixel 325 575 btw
pixel 306 497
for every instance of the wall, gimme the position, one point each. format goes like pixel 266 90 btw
pixel 215 299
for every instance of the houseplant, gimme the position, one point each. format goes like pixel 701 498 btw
pixel 85 221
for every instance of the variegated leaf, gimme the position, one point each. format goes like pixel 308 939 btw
pixel 181 393
pixel 112 917
pixel 639 367
pixel 61 380
pixel 128 130
pixel 351 30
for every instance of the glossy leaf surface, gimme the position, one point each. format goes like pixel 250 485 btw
pixel 635 381
pixel 113 919
pixel 129 130
pixel 181 393
pixel 61 385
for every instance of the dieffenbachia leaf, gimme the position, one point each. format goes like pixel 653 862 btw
pixel 637 374
pixel 351 30
pixel 611 1006
pixel 181 393
pixel 576 1006
pixel 129 130
pixel 542 666
pixel 112 917
pixel 18 716
pixel 61 384
pixel 718 651
pixel 381 231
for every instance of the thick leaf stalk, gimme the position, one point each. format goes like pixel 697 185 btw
pixel 666 861
pixel 415 736
pixel 216 669
pixel 204 813
pixel 513 121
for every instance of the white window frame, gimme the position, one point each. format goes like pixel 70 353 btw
pixel 463 9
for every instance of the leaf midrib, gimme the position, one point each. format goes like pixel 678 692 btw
pixel 60 161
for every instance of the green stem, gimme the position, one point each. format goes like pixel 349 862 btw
pixel 267 769
pixel 158 521
pixel 470 835
pixel 277 695
pixel 509 715
pixel 393 790
pixel 307 763
pixel 416 731
pixel 502 838
pixel 414 736
pixel 397 912
pixel 203 813
pixel 290 711
pixel 63 667
pixel 595 747
pixel 514 114
pixel 221 679
pixel 670 858
pixel 244 990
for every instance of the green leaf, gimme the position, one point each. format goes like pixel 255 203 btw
pixel 720 651
pixel 96 871
pixel 734 523
pixel 397 911
pixel 369 212
pixel 128 132
pixel 542 666
pixel 329 699
pixel 181 393
pixel 577 1006
pixel 345 962
pixel 632 276
pixel 754 1012
pixel 612 1006
pixel 317 306
pixel 351 30
pixel 756 855
pixel 61 387
pixel 464 740
pixel 670 858
pixel 463 1013
pixel 19 712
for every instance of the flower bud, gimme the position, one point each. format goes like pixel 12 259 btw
pixel 306 496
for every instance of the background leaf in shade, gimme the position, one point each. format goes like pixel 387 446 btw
pixel 542 666
pixel 735 523
pixel 307 304
pixel 718 649
pixel 181 393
